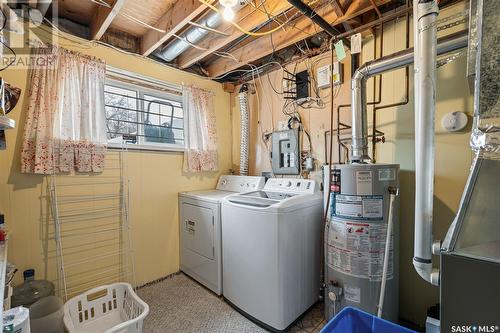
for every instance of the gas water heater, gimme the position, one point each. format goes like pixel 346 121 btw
pixel 355 238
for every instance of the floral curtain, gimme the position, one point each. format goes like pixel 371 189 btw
pixel 200 137
pixel 65 127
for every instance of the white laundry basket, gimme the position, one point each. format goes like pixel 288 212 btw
pixel 114 308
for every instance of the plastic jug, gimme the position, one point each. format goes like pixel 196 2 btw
pixel 46 315
pixel 31 290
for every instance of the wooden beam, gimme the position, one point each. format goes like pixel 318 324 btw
pixel 339 11
pixel 376 8
pixel 338 8
pixel 102 18
pixel 172 21
pixel 262 47
pixel 249 19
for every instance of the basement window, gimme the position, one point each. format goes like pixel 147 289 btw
pixel 143 113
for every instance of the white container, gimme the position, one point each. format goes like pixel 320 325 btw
pixel 18 318
pixel 114 308
pixel 46 315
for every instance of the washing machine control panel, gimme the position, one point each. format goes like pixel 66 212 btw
pixel 240 183
pixel 294 185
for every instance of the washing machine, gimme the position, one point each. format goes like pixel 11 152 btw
pixel 200 228
pixel 271 250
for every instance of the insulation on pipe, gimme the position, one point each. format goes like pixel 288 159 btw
pixel 245 130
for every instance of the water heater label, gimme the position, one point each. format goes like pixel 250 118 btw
pixel 364 182
pixel 362 207
pixel 387 174
pixel 357 249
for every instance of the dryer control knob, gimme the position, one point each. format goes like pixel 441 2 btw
pixel 288 184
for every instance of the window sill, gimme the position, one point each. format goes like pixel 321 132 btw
pixel 142 147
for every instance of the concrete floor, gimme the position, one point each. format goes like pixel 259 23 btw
pixel 179 304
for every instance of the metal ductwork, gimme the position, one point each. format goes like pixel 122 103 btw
pixel 192 35
pixel 359 151
pixel 424 138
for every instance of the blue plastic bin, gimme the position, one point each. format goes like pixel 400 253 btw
pixel 352 320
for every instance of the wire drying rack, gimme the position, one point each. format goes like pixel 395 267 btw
pixel 86 228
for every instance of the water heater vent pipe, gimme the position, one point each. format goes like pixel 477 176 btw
pixel 359 112
pixel 424 133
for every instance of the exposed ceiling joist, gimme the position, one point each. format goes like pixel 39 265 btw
pixel 102 18
pixel 339 11
pixel 172 21
pixel 376 8
pixel 261 47
pixel 252 19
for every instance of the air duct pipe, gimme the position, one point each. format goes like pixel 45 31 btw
pixel 425 13
pixel 192 35
pixel 245 130
pixel 359 151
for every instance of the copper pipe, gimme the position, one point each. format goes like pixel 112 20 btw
pixel 407 90
pixel 383 19
pixel 379 14
pixel 374 102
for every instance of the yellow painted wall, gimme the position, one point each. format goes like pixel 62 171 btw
pixel 155 177
pixel 453 155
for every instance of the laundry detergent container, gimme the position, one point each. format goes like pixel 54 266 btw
pixel 352 320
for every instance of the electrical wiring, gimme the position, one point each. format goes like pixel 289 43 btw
pixel 273 17
pixel 237 26
pixel 87 44
pixel 5 44
pixel 13 60
pixel 263 134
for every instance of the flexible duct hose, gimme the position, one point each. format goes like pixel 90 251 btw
pixel 244 143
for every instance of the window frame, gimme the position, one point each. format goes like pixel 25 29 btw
pixel 141 91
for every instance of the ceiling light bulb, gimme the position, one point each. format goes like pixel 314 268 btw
pixel 228 14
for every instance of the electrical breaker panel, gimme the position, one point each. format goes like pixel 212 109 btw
pixel 285 153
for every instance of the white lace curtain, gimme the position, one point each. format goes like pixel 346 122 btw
pixel 200 136
pixel 65 126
